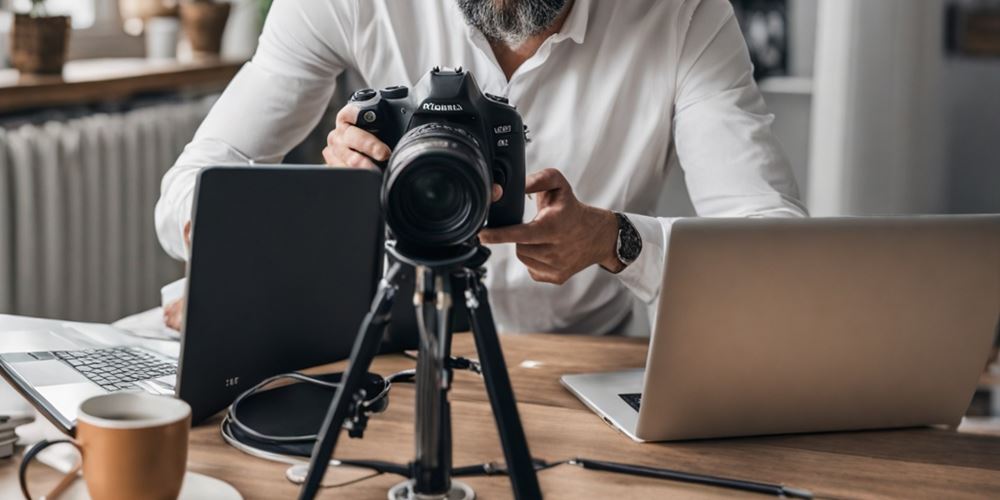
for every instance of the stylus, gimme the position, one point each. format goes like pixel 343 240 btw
pixel 721 482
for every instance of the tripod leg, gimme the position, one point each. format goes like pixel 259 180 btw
pixel 432 467
pixel 521 468
pixel 364 350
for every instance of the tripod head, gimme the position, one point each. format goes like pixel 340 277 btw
pixel 472 255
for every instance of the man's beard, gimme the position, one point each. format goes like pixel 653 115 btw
pixel 511 21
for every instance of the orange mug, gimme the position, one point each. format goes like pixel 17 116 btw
pixel 132 445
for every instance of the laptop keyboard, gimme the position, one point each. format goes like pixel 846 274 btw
pixel 117 368
pixel 633 400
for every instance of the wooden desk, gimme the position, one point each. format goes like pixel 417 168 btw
pixel 914 463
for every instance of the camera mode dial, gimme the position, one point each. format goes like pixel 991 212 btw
pixel 497 98
pixel 395 92
pixel 363 95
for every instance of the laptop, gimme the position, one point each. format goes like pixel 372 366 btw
pixel 284 264
pixel 771 326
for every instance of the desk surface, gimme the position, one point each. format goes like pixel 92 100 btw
pixel 928 463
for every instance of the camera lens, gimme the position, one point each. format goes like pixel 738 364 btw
pixel 434 201
pixel 437 187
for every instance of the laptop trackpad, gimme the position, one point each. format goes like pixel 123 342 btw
pixel 43 373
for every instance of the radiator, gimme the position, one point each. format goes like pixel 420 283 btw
pixel 77 239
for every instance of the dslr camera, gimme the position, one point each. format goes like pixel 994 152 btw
pixel 450 143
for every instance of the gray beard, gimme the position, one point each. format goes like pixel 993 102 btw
pixel 511 21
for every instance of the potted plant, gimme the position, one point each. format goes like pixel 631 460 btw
pixel 204 22
pixel 136 13
pixel 38 41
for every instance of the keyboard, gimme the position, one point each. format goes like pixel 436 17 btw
pixel 117 368
pixel 633 400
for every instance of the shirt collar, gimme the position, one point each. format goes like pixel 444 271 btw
pixel 575 27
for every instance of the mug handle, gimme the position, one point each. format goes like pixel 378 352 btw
pixel 63 483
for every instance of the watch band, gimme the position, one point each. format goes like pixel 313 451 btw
pixel 629 244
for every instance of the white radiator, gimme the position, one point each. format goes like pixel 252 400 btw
pixel 77 239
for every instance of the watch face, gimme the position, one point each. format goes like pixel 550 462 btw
pixel 629 242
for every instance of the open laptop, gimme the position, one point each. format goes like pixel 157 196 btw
pixel 284 265
pixel 805 325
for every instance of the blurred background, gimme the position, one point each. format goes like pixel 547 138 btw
pixel 883 106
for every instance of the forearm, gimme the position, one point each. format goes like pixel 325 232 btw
pixel 173 209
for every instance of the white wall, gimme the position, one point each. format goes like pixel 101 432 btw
pixel 972 138
pixel 878 115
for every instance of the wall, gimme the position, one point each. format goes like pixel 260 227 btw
pixel 972 137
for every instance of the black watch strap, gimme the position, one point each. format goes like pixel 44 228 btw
pixel 629 242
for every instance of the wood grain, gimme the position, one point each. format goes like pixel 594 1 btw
pixel 910 463
pixel 100 80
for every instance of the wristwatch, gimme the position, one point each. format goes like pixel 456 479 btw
pixel 629 244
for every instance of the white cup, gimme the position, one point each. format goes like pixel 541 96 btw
pixel 161 37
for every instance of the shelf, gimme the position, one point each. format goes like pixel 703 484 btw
pixel 97 80
pixel 788 85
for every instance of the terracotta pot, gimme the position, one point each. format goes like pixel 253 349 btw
pixel 204 24
pixel 38 44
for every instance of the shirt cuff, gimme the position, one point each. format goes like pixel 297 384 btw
pixel 644 276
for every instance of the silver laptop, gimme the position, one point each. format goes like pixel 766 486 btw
pixel 808 325
pixel 58 364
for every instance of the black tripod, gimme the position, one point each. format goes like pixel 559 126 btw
pixel 430 475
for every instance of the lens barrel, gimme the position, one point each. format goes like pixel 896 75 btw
pixel 437 187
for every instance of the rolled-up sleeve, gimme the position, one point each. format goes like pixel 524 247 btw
pixel 271 105
pixel 732 163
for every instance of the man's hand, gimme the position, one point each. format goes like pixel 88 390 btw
pixel 350 146
pixel 173 313
pixel 566 235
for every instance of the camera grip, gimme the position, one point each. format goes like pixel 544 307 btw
pixel 509 209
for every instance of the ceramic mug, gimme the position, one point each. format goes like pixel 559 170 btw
pixel 132 445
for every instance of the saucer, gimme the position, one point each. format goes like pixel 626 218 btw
pixel 196 486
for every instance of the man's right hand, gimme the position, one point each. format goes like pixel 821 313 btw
pixel 349 146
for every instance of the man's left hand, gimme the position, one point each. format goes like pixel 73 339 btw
pixel 566 235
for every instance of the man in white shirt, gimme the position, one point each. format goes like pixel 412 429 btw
pixel 614 92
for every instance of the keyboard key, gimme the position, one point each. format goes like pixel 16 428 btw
pixel 117 368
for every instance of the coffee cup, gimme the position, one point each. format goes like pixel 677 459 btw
pixel 132 445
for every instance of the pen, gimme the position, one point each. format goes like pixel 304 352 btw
pixel 721 482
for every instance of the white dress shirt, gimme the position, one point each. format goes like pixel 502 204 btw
pixel 624 91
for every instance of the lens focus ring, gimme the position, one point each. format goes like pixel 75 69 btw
pixel 437 187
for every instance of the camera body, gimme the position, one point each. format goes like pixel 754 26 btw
pixel 451 143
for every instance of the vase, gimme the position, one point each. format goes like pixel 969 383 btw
pixel 38 44
pixel 204 24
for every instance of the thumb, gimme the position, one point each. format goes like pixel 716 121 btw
pixel 549 179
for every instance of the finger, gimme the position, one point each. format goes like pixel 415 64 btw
pixel 540 270
pixel 340 155
pixel 364 142
pixel 532 232
pixel 545 253
pixel 348 115
pixel 357 160
pixel 549 179
pixel 173 314
pixel 187 235
pixel 531 255
pixel 330 159
pixel 545 276
pixel 497 193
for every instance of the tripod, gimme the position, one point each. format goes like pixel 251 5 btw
pixel 430 472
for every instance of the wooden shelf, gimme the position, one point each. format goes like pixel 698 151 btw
pixel 788 85
pixel 98 80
